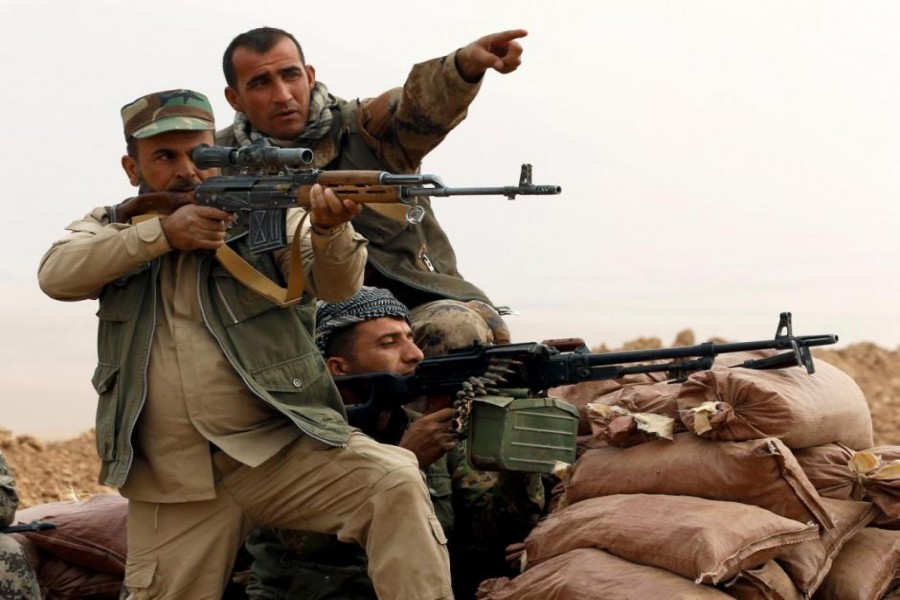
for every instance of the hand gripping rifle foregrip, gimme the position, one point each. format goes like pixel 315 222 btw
pixel 363 187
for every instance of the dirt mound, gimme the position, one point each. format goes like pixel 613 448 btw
pixel 877 371
pixel 53 471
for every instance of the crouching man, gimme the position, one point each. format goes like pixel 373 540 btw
pixel 480 512
pixel 215 409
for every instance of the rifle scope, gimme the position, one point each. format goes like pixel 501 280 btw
pixel 207 157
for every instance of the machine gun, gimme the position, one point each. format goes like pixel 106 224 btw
pixel 536 367
pixel 264 198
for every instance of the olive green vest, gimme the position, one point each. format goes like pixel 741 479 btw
pixel 271 349
pixel 401 255
pixel 415 262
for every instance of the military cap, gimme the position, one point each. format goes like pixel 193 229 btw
pixel 172 110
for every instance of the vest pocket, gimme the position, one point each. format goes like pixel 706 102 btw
pixel 300 374
pixel 440 490
pixel 104 377
pixel 104 382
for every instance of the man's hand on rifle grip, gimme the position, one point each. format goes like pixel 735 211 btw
pixel 429 438
pixel 193 227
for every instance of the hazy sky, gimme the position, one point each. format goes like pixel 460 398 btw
pixel 720 161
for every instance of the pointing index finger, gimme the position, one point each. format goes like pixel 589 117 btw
pixel 508 35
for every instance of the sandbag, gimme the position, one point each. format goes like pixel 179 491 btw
pixel 763 473
pixel 725 537
pixel 866 568
pixel 92 534
pixel 660 397
pixel 637 392
pixel 808 563
pixel 580 394
pixel 768 582
pixel 588 574
pixel 616 426
pixel 836 471
pixel 654 398
pixel 800 409
pixel 63 580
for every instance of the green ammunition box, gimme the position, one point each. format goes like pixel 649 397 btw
pixel 521 434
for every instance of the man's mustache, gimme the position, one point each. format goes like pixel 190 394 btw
pixel 187 186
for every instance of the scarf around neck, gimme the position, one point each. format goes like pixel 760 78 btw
pixel 320 104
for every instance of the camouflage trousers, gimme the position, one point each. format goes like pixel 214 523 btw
pixel 17 579
pixel 445 325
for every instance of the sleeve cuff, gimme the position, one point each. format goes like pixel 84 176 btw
pixel 455 81
pixel 153 239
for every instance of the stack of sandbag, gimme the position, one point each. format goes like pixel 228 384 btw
pixel 84 556
pixel 725 508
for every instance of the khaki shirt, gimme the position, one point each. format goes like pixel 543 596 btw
pixel 195 398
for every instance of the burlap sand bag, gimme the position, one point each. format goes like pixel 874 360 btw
pixel 768 582
pixel 725 537
pixel 866 568
pixel 593 574
pixel 580 394
pixel 637 392
pixel 763 473
pixel 91 534
pixel 616 426
pixel 654 398
pixel 800 409
pixel 838 472
pixel 808 563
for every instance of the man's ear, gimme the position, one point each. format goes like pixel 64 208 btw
pixel 233 99
pixel 131 169
pixel 311 76
pixel 337 365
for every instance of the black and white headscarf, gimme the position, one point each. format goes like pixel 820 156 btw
pixel 370 303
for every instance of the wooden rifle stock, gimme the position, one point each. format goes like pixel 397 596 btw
pixel 161 203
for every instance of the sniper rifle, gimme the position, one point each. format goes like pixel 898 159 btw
pixel 271 180
pixel 265 198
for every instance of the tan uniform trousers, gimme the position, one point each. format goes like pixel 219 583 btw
pixel 369 493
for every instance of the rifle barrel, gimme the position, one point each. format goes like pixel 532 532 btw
pixel 510 191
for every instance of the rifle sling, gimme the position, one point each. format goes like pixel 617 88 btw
pixel 241 270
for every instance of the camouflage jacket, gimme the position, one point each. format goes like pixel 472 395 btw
pixel 394 132
pixel 9 497
pixel 17 580
pixel 481 512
